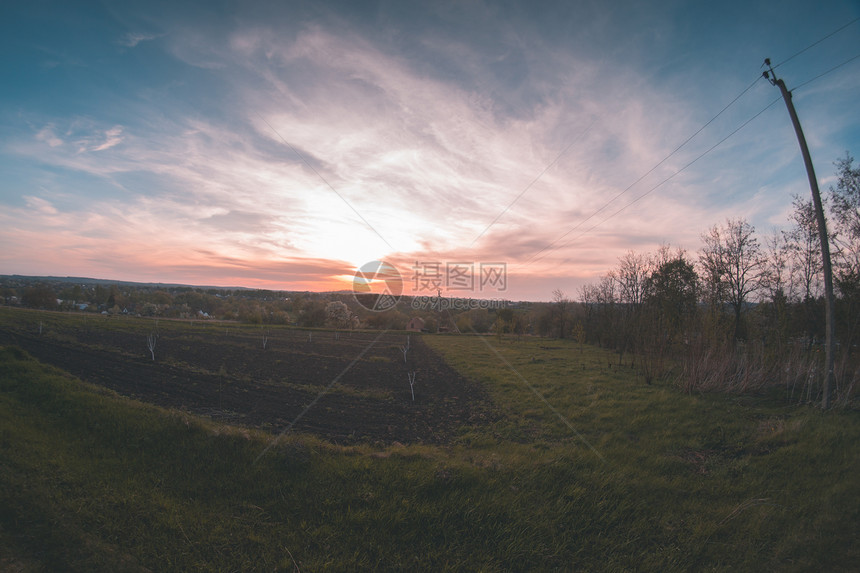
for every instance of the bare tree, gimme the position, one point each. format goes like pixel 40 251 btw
pixel 405 349
pixel 607 303
pixel 588 300
pixel 845 206
pixel 560 305
pixel 632 274
pixel 150 343
pixel 805 249
pixel 411 376
pixel 776 277
pixel 731 261
pixel 777 281
pixel 712 263
pixel 631 279
pixel 807 267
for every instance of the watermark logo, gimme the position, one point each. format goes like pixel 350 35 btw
pixel 459 276
pixel 377 286
pixel 440 303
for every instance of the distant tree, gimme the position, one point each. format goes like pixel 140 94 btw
pixel 519 325
pixel 588 295
pixel 560 310
pixel 6 293
pixel 777 282
pixel 390 319
pixel 806 265
pixel 579 334
pixel 542 318
pixel 100 294
pixel 805 249
pixel 477 319
pixel 162 298
pixel 72 294
pixel 631 276
pixel 506 314
pixel 500 327
pixel 250 312
pixel 312 313
pixel 731 260
pixel 112 297
pixel 776 279
pixel 673 291
pixel 338 314
pixel 464 322
pixel 669 308
pixel 606 299
pixel 845 209
pixel 39 296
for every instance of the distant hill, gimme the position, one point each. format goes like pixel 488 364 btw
pixel 107 282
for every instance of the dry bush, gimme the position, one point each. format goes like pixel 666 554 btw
pixel 753 367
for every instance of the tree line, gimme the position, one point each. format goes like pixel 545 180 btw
pixel 745 312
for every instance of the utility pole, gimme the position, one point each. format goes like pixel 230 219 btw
pixel 830 342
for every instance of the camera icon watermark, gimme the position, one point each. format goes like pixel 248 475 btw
pixel 377 286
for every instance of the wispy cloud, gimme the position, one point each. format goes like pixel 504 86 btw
pixel 47 135
pixel 428 132
pixel 41 206
pixel 426 163
pixel 132 39
pixel 112 136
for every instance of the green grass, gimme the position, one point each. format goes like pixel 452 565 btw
pixel 601 473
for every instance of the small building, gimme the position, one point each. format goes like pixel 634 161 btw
pixel 415 324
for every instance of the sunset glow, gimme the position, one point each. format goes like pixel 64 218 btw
pixel 283 145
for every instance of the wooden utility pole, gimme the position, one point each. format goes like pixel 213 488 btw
pixel 830 340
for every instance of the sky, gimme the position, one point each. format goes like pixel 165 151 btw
pixel 496 149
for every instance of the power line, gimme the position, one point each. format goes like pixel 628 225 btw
pixel 833 33
pixel 834 68
pixel 537 257
pixel 655 187
pixel 517 198
pixel 610 201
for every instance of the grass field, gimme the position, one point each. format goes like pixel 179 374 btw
pixel 583 467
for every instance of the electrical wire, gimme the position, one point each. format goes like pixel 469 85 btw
pixel 833 33
pixel 833 69
pixel 629 187
pixel 655 187
pixel 536 257
pixel 535 180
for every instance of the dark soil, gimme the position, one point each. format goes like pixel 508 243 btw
pixel 346 387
